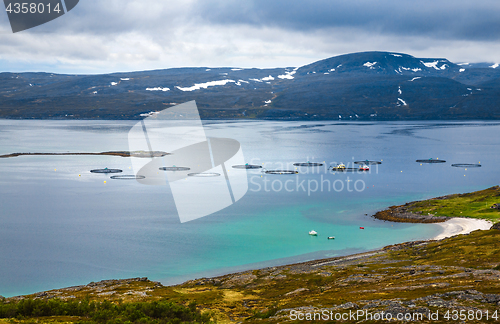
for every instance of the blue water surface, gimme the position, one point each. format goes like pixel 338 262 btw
pixel 61 225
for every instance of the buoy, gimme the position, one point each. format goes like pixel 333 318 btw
pixel 79 175
pixel 331 237
pixel 55 169
pixel 104 181
pixel 361 227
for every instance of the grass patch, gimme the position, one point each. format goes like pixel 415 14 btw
pixel 475 205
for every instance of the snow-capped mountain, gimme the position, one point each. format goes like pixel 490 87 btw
pixel 359 86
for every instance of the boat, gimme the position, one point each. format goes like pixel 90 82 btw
pixel 339 167
pixel 364 168
pixel 361 227
pixel 331 237
pixel 313 233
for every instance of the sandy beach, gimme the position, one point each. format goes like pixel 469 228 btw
pixel 456 226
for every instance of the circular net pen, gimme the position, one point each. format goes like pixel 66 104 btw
pixel 280 172
pixel 346 169
pixel 106 170
pixel 367 162
pixel 466 165
pixel 247 166
pixel 204 174
pixel 431 161
pixel 128 177
pixel 308 164
pixel 174 168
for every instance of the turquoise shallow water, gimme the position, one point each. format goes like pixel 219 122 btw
pixel 59 229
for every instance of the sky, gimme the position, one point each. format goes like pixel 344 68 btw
pixel 103 36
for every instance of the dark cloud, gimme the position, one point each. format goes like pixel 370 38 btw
pixel 126 35
pixel 445 19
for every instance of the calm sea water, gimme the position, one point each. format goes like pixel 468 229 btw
pixel 60 225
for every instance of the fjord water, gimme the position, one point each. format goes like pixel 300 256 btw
pixel 61 225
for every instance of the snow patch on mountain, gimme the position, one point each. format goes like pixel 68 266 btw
pixel 415 78
pixel 431 64
pixel 240 81
pixel 396 55
pixel 205 85
pixel 410 69
pixel 287 75
pixel 370 64
pixel 400 91
pixel 158 89
pixel 494 66
pixel 269 78
pixel 461 70
pixel 149 114
pixel 402 101
pixel 114 83
pixel 125 79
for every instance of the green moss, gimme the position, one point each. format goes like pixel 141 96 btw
pixel 475 205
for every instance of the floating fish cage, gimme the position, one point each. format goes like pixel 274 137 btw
pixel 128 177
pixel 174 168
pixel 204 174
pixel 367 162
pixel 280 172
pixel 308 164
pixel 247 166
pixel 431 161
pixel 466 165
pixel 346 169
pixel 106 170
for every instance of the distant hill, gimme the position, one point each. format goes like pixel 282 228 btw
pixel 359 86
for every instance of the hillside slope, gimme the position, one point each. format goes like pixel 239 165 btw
pixel 359 86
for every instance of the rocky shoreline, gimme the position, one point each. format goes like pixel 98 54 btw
pixel 402 214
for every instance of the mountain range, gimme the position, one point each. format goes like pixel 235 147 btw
pixel 358 86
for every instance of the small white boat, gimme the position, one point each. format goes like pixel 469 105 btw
pixel 331 237
pixel 313 233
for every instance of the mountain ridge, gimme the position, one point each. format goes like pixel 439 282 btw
pixel 357 86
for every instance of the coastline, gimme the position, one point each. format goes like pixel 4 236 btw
pixel 451 227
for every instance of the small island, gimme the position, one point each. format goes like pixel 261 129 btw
pixel 139 154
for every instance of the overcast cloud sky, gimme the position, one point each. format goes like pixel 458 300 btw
pixel 101 36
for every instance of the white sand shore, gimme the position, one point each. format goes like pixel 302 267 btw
pixel 456 226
